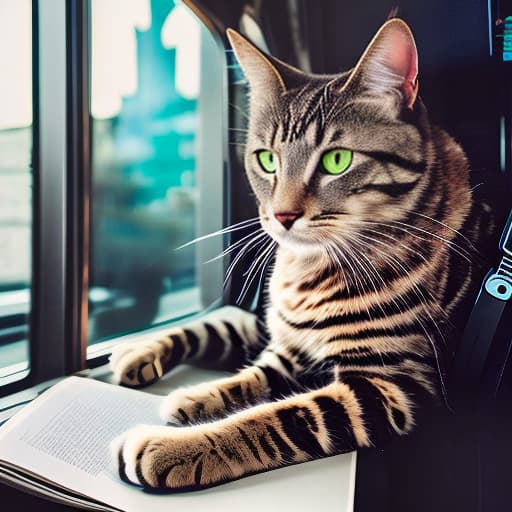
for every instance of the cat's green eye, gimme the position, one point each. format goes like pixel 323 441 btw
pixel 336 161
pixel 267 161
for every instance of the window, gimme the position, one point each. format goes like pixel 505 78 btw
pixel 147 62
pixel 130 93
pixel 15 184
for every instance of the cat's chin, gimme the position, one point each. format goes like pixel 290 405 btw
pixel 298 245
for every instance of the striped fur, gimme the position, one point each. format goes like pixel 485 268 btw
pixel 228 336
pixel 363 295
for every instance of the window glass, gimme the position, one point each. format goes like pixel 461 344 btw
pixel 144 107
pixel 15 183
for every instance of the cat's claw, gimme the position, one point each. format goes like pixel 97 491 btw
pixel 137 364
pixel 202 402
pixel 187 405
pixel 127 449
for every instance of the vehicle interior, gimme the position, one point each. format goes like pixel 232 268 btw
pixel 122 128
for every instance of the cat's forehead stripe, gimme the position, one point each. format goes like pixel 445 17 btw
pixel 307 106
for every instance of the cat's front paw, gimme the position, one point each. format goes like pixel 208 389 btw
pixel 141 363
pixel 125 450
pixel 174 458
pixel 189 405
pixel 215 399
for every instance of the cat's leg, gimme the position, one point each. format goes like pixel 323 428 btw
pixel 272 374
pixel 358 411
pixel 228 333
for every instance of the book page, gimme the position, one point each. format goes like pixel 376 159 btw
pixel 64 436
pixel 90 421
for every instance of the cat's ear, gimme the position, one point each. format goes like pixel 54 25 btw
pixel 266 75
pixel 389 63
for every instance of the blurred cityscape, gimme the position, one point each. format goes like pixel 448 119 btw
pixel 144 186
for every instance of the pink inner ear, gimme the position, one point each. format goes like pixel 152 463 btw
pixel 401 57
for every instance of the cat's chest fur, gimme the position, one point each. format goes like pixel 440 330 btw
pixel 304 294
pixel 314 315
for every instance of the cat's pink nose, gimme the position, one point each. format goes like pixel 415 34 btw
pixel 287 218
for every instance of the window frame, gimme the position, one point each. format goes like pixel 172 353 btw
pixel 54 213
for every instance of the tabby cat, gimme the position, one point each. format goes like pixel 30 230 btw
pixel 370 205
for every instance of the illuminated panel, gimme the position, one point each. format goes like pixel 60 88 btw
pixel 507 39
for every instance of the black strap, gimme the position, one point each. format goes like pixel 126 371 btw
pixel 487 339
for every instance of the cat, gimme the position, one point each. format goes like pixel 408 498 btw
pixel 371 207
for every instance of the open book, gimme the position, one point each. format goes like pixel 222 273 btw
pixel 58 447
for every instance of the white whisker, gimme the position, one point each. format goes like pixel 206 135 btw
pixel 239 110
pixel 235 227
pixel 257 265
pixel 457 232
pixel 238 257
pixel 259 233
pixel 463 253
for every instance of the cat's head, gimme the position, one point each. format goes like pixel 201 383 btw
pixel 326 153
